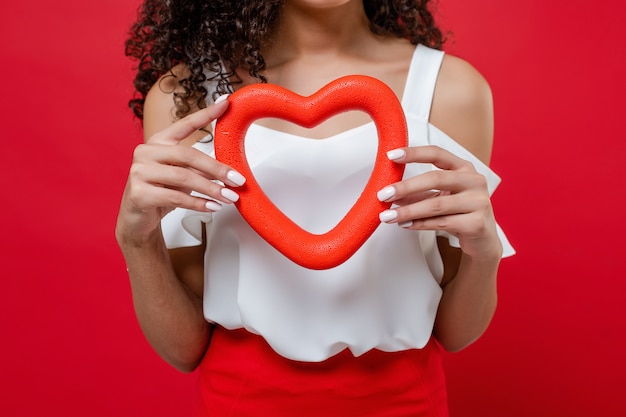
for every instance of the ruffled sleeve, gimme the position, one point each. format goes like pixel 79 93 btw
pixel 439 138
pixel 183 228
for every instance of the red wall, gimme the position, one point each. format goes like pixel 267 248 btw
pixel 70 344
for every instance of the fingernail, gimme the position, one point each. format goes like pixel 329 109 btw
pixel 213 206
pixel 388 216
pixel 406 224
pixel 235 177
pixel 229 194
pixel 396 154
pixel 221 98
pixel 386 193
pixel 207 139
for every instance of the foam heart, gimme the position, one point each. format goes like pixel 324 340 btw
pixel 250 103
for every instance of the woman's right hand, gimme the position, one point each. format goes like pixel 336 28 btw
pixel 163 174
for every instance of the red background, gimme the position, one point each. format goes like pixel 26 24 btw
pixel 70 344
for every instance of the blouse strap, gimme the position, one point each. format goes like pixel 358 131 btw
pixel 421 81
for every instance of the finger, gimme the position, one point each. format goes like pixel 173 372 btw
pixel 187 157
pixel 390 194
pixel 437 206
pixel 147 196
pixel 446 205
pixel 184 127
pixel 464 226
pixel 431 223
pixel 431 183
pixel 185 180
pixel 430 154
pixel 414 198
pixel 440 180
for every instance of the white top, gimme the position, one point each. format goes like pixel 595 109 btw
pixel 385 296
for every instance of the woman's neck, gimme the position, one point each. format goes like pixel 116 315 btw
pixel 316 32
pixel 312 46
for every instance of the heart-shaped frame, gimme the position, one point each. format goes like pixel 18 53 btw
pixel 355 92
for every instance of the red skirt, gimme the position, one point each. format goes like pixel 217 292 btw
pixel 241 376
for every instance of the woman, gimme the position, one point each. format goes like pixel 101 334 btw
pixel 363 337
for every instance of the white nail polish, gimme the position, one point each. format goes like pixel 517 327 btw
pixel 235 177
pixel 388 216
pixel 396 154
pixel 229 194
pixel 406 224
pixel 207 139
pixel 386 193
pixel 213 206
pixel 221 98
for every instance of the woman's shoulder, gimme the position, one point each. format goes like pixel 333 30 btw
pixel 460 83
pixel 160 104
pixel 463 106
pixel 162 91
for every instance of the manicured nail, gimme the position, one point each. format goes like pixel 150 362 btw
pixel 213 206
pixel 208 138
pixel 235 177
pixel 388 216
pixel 386 193
pixel 229 194
pixel 406 224
pixel 396 154
pixel 221 98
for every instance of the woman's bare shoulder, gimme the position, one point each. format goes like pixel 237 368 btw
pixel 463 106
pixel 159 106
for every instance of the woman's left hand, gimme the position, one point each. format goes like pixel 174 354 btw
pixel 453 198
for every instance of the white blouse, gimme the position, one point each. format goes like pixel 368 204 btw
pixel 384 297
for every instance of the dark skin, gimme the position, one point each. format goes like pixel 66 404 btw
pixel 310 51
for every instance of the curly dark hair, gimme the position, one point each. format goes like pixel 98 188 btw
pixel 217 36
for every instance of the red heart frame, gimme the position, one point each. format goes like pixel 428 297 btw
pixel 355 92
